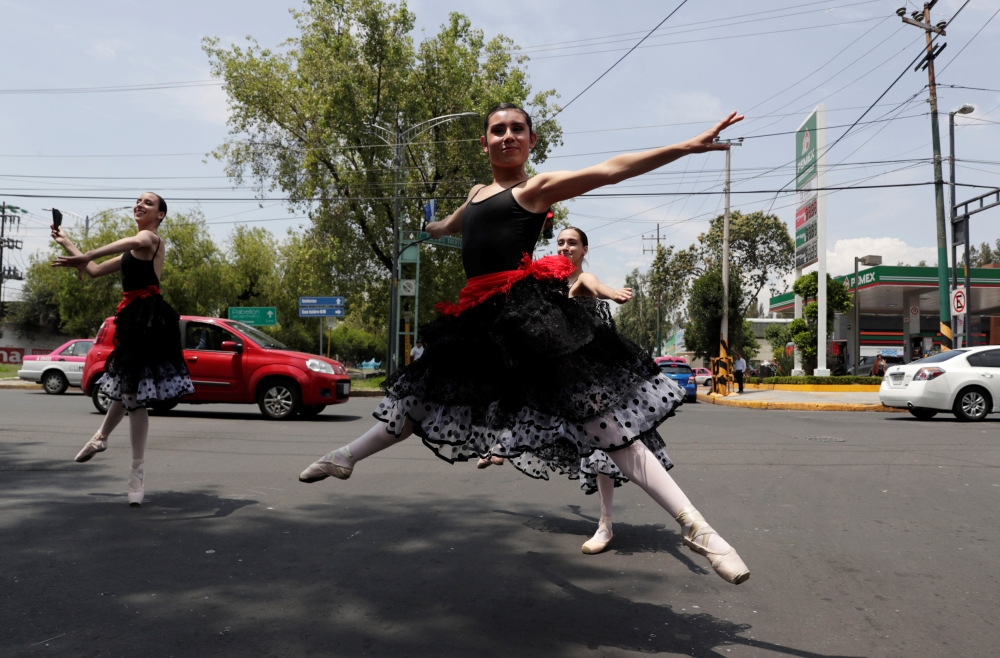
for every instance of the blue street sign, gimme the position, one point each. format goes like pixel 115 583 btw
pixel 321 301
pixel 430 210
pixel 321 312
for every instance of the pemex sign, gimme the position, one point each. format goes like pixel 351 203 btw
pixel 807 158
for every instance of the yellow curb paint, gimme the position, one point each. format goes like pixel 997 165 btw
pixel 817 388
pixel 796 406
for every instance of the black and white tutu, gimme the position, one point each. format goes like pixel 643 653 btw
pixel 147 364
pixel 536 377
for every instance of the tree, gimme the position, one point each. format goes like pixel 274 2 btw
pixel 354 345
pixel 636 320
pixel 705 312
pixel 805 330
pixel 193 268
pixel 301 122
pixel 761 250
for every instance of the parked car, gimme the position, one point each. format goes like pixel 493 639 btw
pixel 60 369
pixel 965 382
pixel 703 376
pixel 234 363
pixel 682 374
pixel 868 362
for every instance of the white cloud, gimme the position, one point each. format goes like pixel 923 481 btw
pixel 108 49
pixel 840 261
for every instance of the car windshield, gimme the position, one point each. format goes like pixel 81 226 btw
pixel 258 336
pixel 675 369
pixel 942 356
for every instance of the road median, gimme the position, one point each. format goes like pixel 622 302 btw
pixel 794 405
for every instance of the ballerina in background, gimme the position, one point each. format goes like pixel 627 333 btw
pixel 146 364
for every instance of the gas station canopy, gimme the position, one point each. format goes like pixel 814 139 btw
pixel 886 290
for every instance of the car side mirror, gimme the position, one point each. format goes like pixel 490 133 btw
pixel 232 346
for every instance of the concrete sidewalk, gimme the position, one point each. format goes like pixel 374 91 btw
pixel 799 400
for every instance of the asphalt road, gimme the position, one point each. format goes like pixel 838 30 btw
pixel 866 534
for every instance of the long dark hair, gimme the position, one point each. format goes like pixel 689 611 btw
pixel 506 106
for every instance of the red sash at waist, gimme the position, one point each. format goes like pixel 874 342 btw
pixel 131 295
pixel 480 288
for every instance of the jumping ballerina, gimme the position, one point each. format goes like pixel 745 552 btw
pixel 516 369
pixel 146 364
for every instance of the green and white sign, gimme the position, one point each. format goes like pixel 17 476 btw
pixel 255 316
pixel 425 238
pixel 807 165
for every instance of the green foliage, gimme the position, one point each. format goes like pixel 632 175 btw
pixel 355 345
pixel 636 320
pixel 302 116
pixel 805 330
pixel 821 381
pixel 705 312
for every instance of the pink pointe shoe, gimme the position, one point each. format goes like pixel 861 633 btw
pixel 338 464
pixel 96 444
pixel 597 543
pixel 136 486
pixel 728 563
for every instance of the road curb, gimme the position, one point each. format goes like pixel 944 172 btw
pixel 19 384
pixel 796 406
pixel 367 394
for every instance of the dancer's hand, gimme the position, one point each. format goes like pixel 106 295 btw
pixel 59 235
pixel 436 229
pixel 79 262
pixel 706 141
pixel 621 295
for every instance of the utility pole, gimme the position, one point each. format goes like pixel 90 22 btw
pixel 923 21
pixel 724 332
pixel 659 293
pixel 10 272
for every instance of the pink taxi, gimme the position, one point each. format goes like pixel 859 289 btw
pixel 60 369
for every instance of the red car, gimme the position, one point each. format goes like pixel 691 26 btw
pixel 234 363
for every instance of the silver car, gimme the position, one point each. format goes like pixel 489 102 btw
pixel 59 370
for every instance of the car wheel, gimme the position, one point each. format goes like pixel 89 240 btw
pixel 101 401
pixel 308 411
pixel 972 404
pixel 923 414
pixel 278 399
pixel 55 383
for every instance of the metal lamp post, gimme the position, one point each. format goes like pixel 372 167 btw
pixel 867 261
pixel 963 230
pixel 399 139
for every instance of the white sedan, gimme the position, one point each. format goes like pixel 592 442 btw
pixel 965 382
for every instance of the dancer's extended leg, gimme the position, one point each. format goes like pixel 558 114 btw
pixel 340 462
pixel 138 424
pixel 99 442
pixel 597 543
pixel 641 467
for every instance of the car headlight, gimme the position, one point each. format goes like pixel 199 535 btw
pixel 319 366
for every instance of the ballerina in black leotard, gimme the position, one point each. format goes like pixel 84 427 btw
pixel 516 368
pixel 146 364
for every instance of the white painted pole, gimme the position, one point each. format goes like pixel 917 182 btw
pixel 821 369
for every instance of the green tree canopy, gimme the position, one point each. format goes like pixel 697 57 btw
pixel 805 330
pixel 705 312
pixel 302 120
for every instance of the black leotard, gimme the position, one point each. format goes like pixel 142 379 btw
pixel 496 233
pixel 138 273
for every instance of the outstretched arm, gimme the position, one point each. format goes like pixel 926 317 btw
pixel 452 224
pixel 546 189
pixel 83 262
pixel 602 291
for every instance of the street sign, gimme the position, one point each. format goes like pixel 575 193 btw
pixel 958 302
pixel 321 311
pixel 408 287
pixel 321 301
pixel 425 238
pixel 255 316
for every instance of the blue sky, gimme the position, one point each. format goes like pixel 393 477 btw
pixel 691 73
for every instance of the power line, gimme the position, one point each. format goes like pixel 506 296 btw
pixel 683 2
pixel 969 41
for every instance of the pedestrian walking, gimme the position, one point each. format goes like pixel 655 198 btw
pixel 516 368
pixel 146 364
pixel 417 351
pixel 739 368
